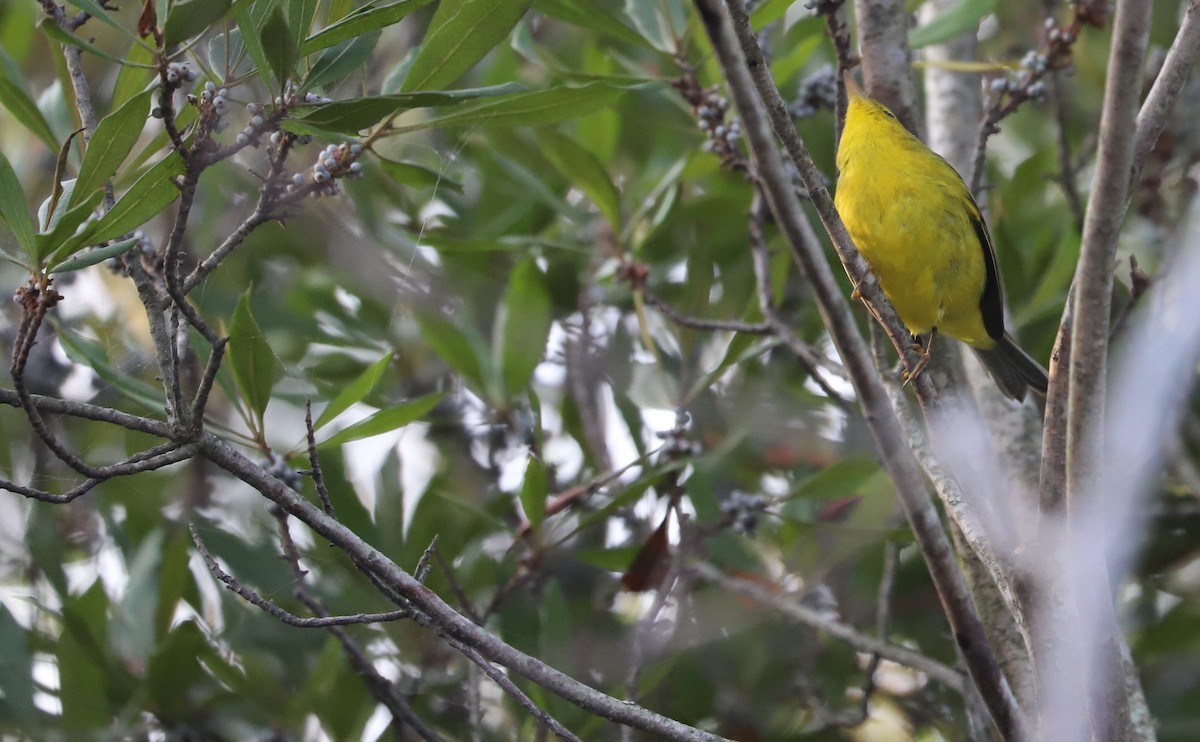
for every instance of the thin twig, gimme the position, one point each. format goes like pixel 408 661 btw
pixel 508 686
pixel 384 690
pixel 700 323
pixel 822 622
pixel 1164 94
pixel 883 619
pixel 250 596
pixel 314 462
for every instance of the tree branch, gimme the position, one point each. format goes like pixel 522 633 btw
pixel 432 612
pixel 1164 94
pixel 801 613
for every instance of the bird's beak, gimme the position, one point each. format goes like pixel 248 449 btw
pixel 852 88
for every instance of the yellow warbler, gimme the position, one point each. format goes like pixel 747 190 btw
pixel 913 219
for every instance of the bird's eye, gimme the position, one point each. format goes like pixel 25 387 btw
pixel 889 114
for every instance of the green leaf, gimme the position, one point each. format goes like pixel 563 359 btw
pixel 51 29
pixel 533 494
pixel 251 20
pixel 114 138
pixel 14 211
pixel 365 19
pixel 255 366
pixel 591 16
pixel 173 579
pixel 958 20
pixel 524 323
pixel 93 8
pixel 279 46
pixel 66 230
pixel 153 192
pixel 769 12
pixel 175 667
pixel 192 18
pixel 461 32
pixel 616 559
pixel 583 169
pixel 300 16
pixel 355 392
pixel 93 355
pixel 385 420
pixel 417 176
pixel 842 478
pixel 84 660
pixel 350 116
pixel 453 347
pixel 19 103
pixel 16 673
pixel 527 109
pixel 339 61
pixel 95 256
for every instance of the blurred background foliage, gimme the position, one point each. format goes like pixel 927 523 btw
pixel 488 266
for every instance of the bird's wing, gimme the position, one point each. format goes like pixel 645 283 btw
pixel 991 303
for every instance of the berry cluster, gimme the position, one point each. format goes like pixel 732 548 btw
pixel 277 466
pixel 258 123
pixel 177 74
pixel 335 161
pixel 722 135
pixel 821 7
pixel 817 90
pixel 213 100
pixel 1029 81
pixel 291 96
pixel 742 511
pixel 180 72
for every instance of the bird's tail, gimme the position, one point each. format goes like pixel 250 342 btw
pixel 1013 369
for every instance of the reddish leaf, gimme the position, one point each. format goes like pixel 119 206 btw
pixel 650 565
pixel 148 20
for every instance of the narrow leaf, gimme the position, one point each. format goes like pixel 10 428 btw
pixel 114 138
pixel 956 21
pixel 94 355
pixel 355 392
pixel 526 109
pixel 592 16
pixel 255 366
pixel 461 32
pixel 19 103
pixel 524 322
pixel 418 176
pixel 453 347
pixel 583 169
pixel 51 29
pixel 361 21
pixel 95 256
pixel 336 62
pixel 533 494
pixel 152 193
pixel 279 46
pixel 352 115
pixel 60 171
pixel 66 230
pixel 300 17
pixel 251 33
pixel 14 211
pixel 385 420
pixel 191 19
pixel 94 10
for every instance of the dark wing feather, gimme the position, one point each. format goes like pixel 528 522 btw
pixel 991 303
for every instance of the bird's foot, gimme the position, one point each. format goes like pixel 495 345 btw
pixel 926 356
